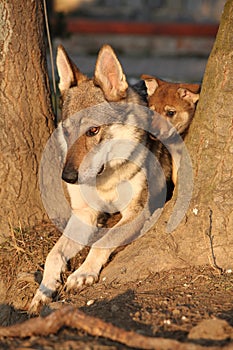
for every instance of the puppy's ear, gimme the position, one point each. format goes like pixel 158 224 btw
pixel 68 73
pixel 188 95
pixel 196 88
pixel 109 75
pixel 151 84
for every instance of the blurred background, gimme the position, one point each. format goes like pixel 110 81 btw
pixel 166 38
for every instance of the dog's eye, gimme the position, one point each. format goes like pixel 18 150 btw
pixel 170 113
pixel 93 131
pixel 65 132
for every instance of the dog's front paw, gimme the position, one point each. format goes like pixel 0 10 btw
pixel 38 301
pixel 81 278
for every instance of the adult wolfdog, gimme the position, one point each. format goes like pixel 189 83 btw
pixel 108 169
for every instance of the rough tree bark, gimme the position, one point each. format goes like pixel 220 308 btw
pixel 26 114
pixel 205 236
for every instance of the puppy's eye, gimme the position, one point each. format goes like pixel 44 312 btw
pixel 93 131
pixel 170 113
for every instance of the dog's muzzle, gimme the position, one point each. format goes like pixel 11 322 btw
pixel 72 176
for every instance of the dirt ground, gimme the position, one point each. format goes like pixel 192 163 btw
pixel 193 305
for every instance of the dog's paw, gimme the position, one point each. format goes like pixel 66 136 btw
pixel 39 300
pixel 79 279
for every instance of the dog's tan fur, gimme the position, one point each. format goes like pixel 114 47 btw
pixel 176 102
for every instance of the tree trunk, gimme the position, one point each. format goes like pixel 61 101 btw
pixel 205 235
pixel 26 115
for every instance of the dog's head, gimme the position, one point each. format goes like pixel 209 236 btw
pixel 94 101
pixel 176 102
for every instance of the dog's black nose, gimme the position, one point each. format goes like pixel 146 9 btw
pixel 70 176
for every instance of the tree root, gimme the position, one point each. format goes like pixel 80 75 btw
pixel 75 319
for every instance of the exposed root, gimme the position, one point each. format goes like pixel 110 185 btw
pixel 75 319
pixel 211 238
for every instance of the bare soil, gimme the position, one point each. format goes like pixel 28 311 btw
pixel 193 305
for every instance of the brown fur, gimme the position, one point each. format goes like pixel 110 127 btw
pixel 175 102
pixel 180 98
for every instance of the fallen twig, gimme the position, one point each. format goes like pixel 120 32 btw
pixel 70 317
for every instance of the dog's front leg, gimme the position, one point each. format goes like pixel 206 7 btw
pixel 75 236
pixel 121 234
pixel 88 273
pixel 55 264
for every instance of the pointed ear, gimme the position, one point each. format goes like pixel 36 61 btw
pixel 109 75
pixel 192 87
pixel 188 95
pixel 68 73
pixel 151 84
